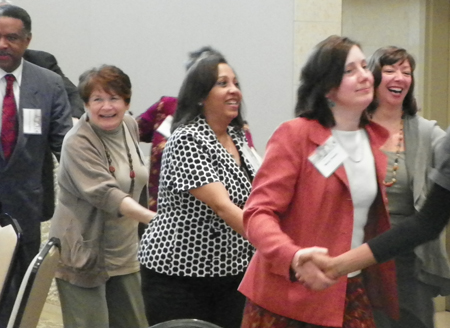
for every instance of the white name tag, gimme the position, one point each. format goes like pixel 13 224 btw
pixel 32 121
pixel 165 126
pixel 328 157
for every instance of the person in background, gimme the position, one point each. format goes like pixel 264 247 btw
pixel 320 188
pixel 48 61
pixel 35 116
pixel 154 127
pixel 412 146
pixel 193 254
pixel 103 195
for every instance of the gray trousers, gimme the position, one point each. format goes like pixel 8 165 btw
pixel 116 304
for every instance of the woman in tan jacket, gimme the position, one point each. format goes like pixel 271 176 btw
pixel 103 196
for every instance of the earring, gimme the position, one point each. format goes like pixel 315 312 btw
pixel 330 103
pixel 200 104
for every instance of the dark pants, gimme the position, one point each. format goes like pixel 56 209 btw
pixel 212 299
pixel 26 253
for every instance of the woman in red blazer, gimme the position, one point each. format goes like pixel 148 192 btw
pixel 320 185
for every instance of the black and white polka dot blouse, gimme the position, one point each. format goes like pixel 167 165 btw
pixel 187 238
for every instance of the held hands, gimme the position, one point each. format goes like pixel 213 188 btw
pixel 312 268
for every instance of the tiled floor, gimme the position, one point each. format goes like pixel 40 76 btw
pixel 443 320
pixel 50 317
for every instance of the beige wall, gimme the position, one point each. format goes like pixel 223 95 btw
pixel 314 21
pixel 437 62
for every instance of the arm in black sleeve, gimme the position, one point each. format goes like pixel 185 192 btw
pixel 417 229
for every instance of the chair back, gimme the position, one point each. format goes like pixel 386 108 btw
pixel 35 286
pixel 185 323
pixel 10 235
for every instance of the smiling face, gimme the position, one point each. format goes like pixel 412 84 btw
pixel 395 83
pixel 224 99
pixel 106 110
pixel 14 40
pixel 356 88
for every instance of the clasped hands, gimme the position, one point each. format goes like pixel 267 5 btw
pixel 313 268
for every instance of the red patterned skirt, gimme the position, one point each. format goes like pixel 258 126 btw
pixel 357 313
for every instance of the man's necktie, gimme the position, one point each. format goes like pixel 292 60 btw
pixel 9 118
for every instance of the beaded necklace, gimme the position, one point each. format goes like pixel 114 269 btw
pixel 112 169
pixel 397 153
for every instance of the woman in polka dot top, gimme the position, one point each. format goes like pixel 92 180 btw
pixel 193 253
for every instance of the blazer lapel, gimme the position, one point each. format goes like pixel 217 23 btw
pixel 228 162
pixel 248 164
pixel 238 139
pixel 225 159
pixel 27 99
pixel 411 143
pixel 377 137
pixel 416 139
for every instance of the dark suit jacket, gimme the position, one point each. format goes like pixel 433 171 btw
pixel 21 190
pixel 48 61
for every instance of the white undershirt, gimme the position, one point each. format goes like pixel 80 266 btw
pixel 360 170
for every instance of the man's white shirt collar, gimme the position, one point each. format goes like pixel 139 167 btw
pixel 17 73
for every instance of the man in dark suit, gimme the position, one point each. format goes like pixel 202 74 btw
pixel 42 119
pixel 48 61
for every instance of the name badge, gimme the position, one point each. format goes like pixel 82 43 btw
pixel 32 121
pixel 165 126
pixel 328 157
pixel 252 156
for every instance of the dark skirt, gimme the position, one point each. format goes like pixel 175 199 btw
pixel 357 313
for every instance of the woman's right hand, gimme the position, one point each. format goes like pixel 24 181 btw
pixel 334 267
pixel 307 272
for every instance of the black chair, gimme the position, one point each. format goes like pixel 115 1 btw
pixel 35 286
pixel 185 323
